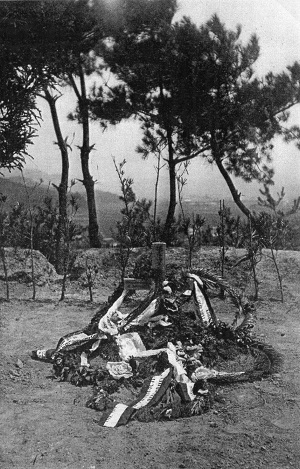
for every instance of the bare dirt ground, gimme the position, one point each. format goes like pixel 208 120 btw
pixel 45 424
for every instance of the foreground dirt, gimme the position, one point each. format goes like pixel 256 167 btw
pixel 44 423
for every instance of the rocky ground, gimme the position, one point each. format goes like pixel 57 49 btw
pixel 44 423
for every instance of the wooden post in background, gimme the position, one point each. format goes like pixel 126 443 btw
pixel 159 262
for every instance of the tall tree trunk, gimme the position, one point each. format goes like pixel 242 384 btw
pixel 156 196
pixel 172 194
pixel 85 149
pixel 63 186
pixel 234 192
pixel 89 183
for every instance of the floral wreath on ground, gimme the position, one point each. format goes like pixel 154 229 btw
pixel 165 357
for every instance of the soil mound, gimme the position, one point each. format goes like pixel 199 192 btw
pixel 19 268
pixel 163 357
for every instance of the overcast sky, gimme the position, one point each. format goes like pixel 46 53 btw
pixel 277 25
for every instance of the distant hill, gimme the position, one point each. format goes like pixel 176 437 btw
pixel 15 191
pixel 108 204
